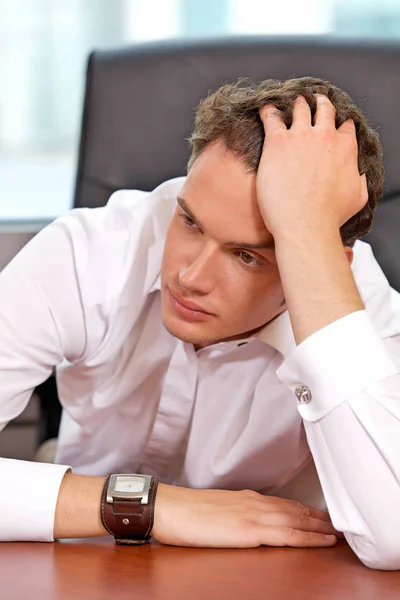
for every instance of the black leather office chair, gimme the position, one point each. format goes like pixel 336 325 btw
pixel 139 109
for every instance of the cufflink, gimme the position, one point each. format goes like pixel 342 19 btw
pixel 303 394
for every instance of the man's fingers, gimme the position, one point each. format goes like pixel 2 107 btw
pixel 297 507
pixel 301 115
pixel 348 127
pixel 319 514
pixel 286 520
pixel 285 536
pixel 326 113
pixel 272 119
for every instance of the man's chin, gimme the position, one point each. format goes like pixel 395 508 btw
pixel 190 333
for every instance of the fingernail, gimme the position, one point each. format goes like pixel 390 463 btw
pixel 330 538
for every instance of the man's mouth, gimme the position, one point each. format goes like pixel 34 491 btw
pixel 187 309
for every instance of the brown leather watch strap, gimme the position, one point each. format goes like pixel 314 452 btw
pixel 128 520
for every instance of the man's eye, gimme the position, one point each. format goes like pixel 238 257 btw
pixel 249 259
pixel 188 221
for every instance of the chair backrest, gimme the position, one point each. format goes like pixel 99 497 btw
pixel 139 106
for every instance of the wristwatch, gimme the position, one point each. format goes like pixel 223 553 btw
pixel 127 507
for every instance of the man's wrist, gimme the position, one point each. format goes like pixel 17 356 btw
pixel 77 511
pixel 317 280
pixel 303 233
pixel 127 506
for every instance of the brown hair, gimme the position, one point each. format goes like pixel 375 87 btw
pixel 231 114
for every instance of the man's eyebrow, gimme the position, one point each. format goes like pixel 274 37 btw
pixel 184 206
pixel 267 245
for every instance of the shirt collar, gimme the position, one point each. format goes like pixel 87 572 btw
pixel 278 334
pixel 156 287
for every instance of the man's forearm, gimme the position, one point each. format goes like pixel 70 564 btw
pixel 317 280
pixel 206 518
pixel 78 507
pixel 309 185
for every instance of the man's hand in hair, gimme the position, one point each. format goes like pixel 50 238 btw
pixel 308 186
pixel 308 174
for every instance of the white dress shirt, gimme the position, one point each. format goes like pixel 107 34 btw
pixel 84 294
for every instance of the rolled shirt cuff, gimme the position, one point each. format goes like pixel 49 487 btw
pixel 28 499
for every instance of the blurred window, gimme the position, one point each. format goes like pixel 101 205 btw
pixel 44 46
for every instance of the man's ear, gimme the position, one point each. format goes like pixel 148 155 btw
pixel 349 253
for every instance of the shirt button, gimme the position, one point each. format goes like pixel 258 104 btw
pixel 303 394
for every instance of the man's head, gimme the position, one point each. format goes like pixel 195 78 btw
pixel 218 253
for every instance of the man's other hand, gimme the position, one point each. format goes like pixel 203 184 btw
pixel 237 519
pixel 308 175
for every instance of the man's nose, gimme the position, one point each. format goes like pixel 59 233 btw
pixel 200 275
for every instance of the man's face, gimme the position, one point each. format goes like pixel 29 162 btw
pixel 219 274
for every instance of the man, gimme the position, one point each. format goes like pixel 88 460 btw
pixel 238 368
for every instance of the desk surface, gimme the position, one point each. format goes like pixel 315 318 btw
pixel 97 569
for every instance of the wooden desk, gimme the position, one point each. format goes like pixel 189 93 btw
pixel 99 570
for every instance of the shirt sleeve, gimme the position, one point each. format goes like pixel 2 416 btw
pixel 58 299
pixel 41 323
pixel 352 422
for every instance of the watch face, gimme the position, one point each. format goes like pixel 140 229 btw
pixel 129 484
